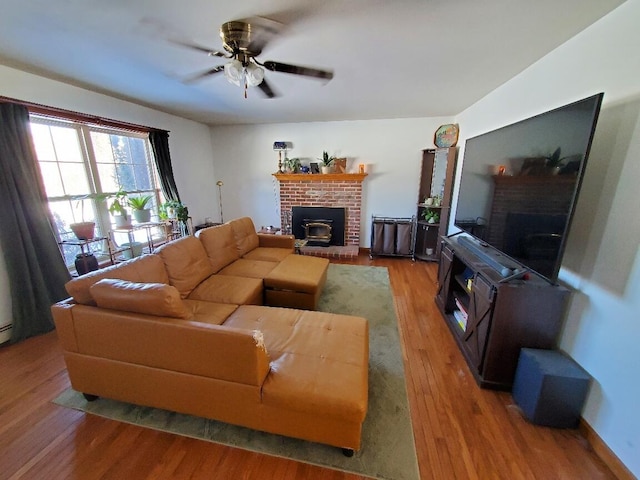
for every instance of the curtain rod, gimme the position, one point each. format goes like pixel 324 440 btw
pixel 77 116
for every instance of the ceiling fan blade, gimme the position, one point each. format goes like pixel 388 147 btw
pixel 266 89
pixel 298 70
pixel 206 73
pixel 193 46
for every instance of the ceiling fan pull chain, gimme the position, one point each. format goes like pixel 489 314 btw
pixel 245 88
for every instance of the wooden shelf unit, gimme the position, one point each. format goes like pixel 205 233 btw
pixel 427 238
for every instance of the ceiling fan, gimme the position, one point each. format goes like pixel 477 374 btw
pixel 243 41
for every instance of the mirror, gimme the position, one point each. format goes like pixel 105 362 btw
pixel 439 173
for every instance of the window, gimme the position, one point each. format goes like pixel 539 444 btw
pixel 82 165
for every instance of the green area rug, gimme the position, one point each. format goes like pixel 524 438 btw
pixel 388 449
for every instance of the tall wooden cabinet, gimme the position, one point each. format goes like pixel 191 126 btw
pixel 492 314
pixel 436 184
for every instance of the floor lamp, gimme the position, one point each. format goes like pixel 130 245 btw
pixel 219 184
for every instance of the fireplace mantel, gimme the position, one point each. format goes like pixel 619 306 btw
pixel 320 177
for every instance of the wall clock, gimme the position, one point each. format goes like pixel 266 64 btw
pixel 446 136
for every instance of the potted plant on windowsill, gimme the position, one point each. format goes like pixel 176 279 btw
pixel 83 230
pixel 327 162
pixel 118 211
pixel 138 205
pixel 175 211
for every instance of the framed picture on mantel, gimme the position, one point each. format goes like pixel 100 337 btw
pixel 313 166
pixel 340 165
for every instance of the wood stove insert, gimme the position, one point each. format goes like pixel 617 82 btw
pixel 320 226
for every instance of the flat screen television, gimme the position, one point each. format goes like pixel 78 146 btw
pixel 520 184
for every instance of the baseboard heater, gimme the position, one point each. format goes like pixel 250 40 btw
pixel 5 332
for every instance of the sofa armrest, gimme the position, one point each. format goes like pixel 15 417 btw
pixel 63 319
pixel 276 241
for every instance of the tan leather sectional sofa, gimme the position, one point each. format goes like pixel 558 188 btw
pixel 185 329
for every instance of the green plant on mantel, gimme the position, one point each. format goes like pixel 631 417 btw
pixel 292 164
pixel 327 159
pixel 555 160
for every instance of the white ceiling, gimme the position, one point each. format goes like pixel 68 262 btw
pixel 391 59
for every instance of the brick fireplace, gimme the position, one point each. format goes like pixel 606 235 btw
pixel 324 190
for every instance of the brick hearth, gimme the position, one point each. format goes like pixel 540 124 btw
pixel 325 190
pixel 332 251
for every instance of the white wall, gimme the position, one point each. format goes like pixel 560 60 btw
pixel 602 262
pixel 390 149
pixel 189 142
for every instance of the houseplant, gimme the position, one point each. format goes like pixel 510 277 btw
pixel 174 210
pixel 292 165
pixel 83 230
pixel 327 162
pixel 138 205
pixel 431 215
pixel 118 210
pixel 556 164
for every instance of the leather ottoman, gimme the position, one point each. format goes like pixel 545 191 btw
pixel 296 282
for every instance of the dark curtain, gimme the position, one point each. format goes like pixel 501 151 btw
pixel 160 144
pixel 35 267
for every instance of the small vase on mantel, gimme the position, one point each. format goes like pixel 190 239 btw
pixel 327 169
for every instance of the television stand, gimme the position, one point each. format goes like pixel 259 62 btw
pixel 492 316
pixel 504 267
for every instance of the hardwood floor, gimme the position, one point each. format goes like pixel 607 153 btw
pixel 461 431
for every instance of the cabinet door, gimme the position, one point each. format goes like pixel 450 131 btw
pixel 479 320
pixel 445 277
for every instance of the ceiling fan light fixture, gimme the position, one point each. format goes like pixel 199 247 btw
pixel 250 75
pixel 234 72
pixel 254 74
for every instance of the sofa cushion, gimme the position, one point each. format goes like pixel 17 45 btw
pixel 186 262
pixel 245 235
pixel 249 268
pixel 157 299
pixel 268 240
pixel 220 245
pixel 209 312
pixel 144 269
pixel 268 254
pixel 229 289
pixel 298 273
